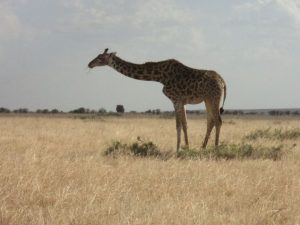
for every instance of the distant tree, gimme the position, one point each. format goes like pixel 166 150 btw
pixel 120 109
pixel 157 111
pixel 4 110
pixel 42 111
pixel 45 111
pixel 102 111
pixel 79 110
pixel 274 113
pixel 21 110
pixel 252 113
pixel 54 111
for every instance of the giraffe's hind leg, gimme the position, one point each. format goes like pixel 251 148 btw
pixel 210 125
pixel 218 124
pixel 213 119
pixel 210 122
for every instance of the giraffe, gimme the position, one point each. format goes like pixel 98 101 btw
pixel 181 84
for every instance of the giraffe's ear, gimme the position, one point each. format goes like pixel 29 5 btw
pixel 105 51
pixel 113 53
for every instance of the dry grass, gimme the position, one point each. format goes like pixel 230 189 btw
pixel 54 171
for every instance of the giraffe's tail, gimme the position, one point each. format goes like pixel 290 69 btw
pixel 224 97
pixel 221 110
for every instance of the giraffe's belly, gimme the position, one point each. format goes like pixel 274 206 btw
pixel 183 96
pixel 192 100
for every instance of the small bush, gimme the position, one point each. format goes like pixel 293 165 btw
pixel 139 148
pixel 145 149
pixel 277 134
pixel 116 148
pixel 288 134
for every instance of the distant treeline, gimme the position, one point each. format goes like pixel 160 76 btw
pixel 120 109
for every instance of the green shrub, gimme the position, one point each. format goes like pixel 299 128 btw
pixel 254 135
pixel 288 134
pixel 189 153
pixel 224 151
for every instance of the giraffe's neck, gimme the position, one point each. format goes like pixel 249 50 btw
pixel 147 71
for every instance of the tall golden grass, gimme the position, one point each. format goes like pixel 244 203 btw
pixel 53 171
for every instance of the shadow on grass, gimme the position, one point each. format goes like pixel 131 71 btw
pixel 224 151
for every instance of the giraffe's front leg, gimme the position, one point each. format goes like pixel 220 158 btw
pixel 178 129
pixel 179 123
pixel 184 127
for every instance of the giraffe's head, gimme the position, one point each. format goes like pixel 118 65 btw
pixel 102 59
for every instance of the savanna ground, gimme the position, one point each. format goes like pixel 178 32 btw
pixel 53 170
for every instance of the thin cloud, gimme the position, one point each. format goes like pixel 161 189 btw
pixel 11 26
pixel 159 23
pixel 133 13
pixel 160 12
pixel 292 7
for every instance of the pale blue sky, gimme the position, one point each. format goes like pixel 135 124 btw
pixel 45 46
